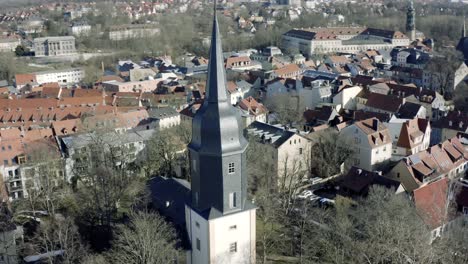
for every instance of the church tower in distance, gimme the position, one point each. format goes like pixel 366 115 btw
pixel 220 220
pixel 411 22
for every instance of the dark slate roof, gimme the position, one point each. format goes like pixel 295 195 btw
pixel 169 196
pixel 455 120
pixel 163 112
pixel 384 102
pixel 358 181
pixel 302 34
pixel 323 114
pixel 274 135
pixel 408 110
pixel 363 115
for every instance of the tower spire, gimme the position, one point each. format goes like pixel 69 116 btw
pixel 216 84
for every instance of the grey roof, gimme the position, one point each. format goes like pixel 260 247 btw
pixel 59 70
pixel 408 110
pixel 82 140
pixel 55 38
pixel 163 112
pixel 302 34
pixel 275 135
pixel 168 196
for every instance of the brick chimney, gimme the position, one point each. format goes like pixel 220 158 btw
pixel 375 124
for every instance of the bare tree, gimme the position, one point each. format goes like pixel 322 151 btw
pixel 328 153
pixel 106 179
pixel 163 150
pixel 443 67
pixel 45 184
pixel 148 239
pixel 59 235
pixel 286 109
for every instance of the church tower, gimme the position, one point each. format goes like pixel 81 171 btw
pixel 220 220
pixel 411 22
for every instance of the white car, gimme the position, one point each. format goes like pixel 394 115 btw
pixel 315 180
pixel 305 194
pixel 314 198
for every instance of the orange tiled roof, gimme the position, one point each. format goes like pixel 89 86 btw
pixel 23 79
pixel 430 201
pixel 288 70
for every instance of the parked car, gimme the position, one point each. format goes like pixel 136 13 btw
pixel 315 180
pixel 314 198
pixel 305 194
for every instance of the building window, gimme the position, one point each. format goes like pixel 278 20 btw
pixel 197 224
pixel 198 244
pixel 233 247
pixel 5 162
pixel 232 200
pixel 231 168
pixel 300 150
pixel 194 165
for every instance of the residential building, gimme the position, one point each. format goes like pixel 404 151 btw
pixel 238 91
pixel 252 111
pixel 187 114
pixel 64 77
pixel 319 92
pixel 288 71
pixel 9 44
pixel 165 117
pixel 133 31
pixel 380 103
pixel 73 147
pixel 80 29
pixel 371 142
pixel 415 136
pixel 346 97
pixel 410 58
pixel 450 125
pixel 54 46
pixel 342 39
pixel 220 221
pixel 136 86
pixel 447 159
pixel 358 182
pixel 289 150
pixel 242 63
pixel 431 201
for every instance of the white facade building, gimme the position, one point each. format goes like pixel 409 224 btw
pixel 63 77
pixel 371 143
pixel 9 44
pixel 342 39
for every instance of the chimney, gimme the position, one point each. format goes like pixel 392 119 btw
pixel 375 124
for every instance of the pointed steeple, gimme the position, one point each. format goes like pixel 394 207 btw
pixel 216 86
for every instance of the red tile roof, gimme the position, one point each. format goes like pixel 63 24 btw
pixel 431 202
pixel 23 79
